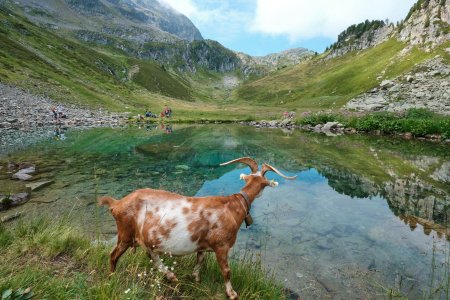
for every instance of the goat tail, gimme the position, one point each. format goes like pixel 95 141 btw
pixel 106 200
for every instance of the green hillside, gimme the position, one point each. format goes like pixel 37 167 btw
pixel 329 83
pixel 69 71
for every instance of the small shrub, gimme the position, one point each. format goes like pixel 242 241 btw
pixel 319 118
pixel 419 113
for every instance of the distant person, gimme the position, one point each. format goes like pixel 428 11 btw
pixel 55 114
pixel 167 112
pixel 60 109
pixel 149 114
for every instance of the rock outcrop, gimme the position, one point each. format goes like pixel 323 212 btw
pixel 373 34
pixel 427 24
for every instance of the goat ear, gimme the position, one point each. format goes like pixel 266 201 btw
pixel 273 183
pixel 243 176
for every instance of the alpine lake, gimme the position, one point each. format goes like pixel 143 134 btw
pixel 366 218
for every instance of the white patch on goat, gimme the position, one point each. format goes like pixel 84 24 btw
pixel 179 240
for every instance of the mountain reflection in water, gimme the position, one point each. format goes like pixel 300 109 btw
pixel 363 214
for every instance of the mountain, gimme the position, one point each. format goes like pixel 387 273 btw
pixel 132 20
pixel 274 61
pixel 374 65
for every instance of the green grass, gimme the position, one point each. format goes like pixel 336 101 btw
pixel 419 122
pixel 328 84
pixel 58 262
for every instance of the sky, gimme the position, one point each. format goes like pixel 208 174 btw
pixel 260 27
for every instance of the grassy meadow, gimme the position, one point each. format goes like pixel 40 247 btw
pixel 49 260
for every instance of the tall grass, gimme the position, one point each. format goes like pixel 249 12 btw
pixel 417 121
pixel 58 262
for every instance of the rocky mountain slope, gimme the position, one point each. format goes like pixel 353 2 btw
pixel 426 86
pixel 426 25
pixel 133 20
pixel 364 58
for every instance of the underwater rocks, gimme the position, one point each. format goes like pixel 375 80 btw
pixel 8 201
pixel 13 189
pixel 35 186
pixel 24 174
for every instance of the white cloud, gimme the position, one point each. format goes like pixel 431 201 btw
pixel 326 18
pixel 225 18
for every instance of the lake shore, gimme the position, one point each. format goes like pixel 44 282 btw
pixel 25 117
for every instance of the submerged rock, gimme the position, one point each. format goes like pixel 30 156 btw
pixel 13 200
pixel 22 176
pixel 182 167
pixel 34 186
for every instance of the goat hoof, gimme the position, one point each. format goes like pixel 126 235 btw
pixel 171 277
pixel 196 277
pixel 233 295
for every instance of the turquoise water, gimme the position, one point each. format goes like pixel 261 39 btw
pixel 365 214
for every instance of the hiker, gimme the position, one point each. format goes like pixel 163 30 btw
pixel 167 112
pixel 55 115
pixel 60 110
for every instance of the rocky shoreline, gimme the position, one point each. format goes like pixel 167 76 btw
pixel 334 129
pixel 25 117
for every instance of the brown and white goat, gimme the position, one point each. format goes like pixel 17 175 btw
pixel 161 221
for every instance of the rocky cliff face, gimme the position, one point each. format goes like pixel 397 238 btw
pixel 187 56
pixel 426 25
pixel 361 36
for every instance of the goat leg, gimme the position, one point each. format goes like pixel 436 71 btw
pixel 155 257
pixel 222 259
pixel 196 272
pixel 120 249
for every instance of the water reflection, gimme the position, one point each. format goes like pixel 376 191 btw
pixel 363 212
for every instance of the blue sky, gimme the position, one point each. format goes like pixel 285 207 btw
pixel 260 27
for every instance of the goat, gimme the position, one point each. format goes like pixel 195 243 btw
pixel 161 221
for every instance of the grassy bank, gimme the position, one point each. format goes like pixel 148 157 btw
pixel 56 261
pixel 418 122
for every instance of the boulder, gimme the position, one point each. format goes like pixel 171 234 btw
pixel 285 122
pixel 395 88
pixel 330 125
pixel 386 84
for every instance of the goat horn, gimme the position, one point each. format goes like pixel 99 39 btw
pixel 266 168
pixel 245 160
